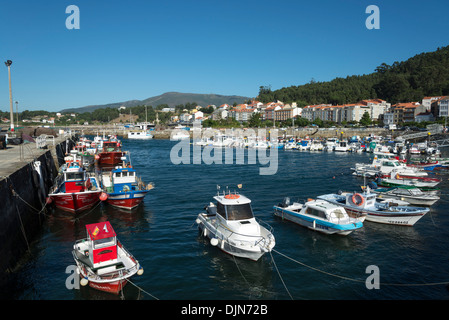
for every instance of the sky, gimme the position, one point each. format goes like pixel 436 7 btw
pixel 136 49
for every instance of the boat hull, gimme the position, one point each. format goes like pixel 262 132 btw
pixel 75 202
pixel 232 243
pixel 400 215
pixel 317 224
pixel 113 287
pixel 127 200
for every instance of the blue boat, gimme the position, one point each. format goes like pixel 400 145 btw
pixel 319 215
pixel 125 190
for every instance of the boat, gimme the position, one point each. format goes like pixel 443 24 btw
pixel 102 261
pixel 365 203
pixel 385 166
pixel 410 194
pixel 231 226
pixel 75 189
pixel 319 215
pixel 140 135
pixel 124 188
pixel 109 152
pixel 342 146
pixel 400 179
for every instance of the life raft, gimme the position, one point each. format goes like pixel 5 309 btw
pixel 232 196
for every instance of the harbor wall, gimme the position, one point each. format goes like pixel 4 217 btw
pixel 22 210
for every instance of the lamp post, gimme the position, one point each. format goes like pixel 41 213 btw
pixel 17 113
pixel 8 64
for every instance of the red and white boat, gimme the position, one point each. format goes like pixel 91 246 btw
pixel 76 189
pixel 109 152
pixel 102 261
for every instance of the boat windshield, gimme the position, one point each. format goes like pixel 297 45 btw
pixel 239 212
pixel 74 175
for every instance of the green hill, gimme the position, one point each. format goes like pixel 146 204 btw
pixel 426 74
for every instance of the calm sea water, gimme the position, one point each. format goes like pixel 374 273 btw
pixel 179 264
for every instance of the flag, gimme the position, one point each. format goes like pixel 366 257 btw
pixel 239 186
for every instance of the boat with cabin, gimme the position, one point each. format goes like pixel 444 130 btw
pixel 124 188
pixel 230 225
pixel 319 215
pixel 102 261
pixel 140 135
pixel 75 189
pixel 365 204
pixel 109 152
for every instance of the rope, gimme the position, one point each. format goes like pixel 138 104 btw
pixel 363 281
pixel 142 290
pixel 282 280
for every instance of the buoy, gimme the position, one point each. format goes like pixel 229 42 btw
pixel 214 241
pixel 314 224
pixel 103 196
pixel 140 272
pixel 84 281
pixel 198 221
pixel 97 157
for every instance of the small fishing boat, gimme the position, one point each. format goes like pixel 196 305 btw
pixel 75 189
pixel 319 215
pixel 109 152
pixel 342 146
pixel 124 188
pixel 385 166
pixel 365 203
pixel 102 261
pixel 231 226
pixel 407 180
pixel 410 194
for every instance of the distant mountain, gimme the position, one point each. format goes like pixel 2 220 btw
pixel 171 99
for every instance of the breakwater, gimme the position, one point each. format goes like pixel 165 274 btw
pixel 26 175
pixel 312 132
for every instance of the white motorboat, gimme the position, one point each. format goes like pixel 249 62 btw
pixel 342 146
pixel 231 226
pixel 385 166
pixel 319 215
pixel 365 204
pixel 140 135
pixel 411 194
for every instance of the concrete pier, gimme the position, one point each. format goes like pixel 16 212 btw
pixel 27 172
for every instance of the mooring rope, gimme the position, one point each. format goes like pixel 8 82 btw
pixel 363 281
pixel 142 289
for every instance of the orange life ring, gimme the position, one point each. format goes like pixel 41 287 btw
pixel 232 196
pixel 354 199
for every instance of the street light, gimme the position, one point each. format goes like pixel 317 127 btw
pixel 8 63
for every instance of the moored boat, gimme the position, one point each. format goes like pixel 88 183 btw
pixel 124 188
pixel 319 215
pixel 102 261
pixel 231 226
pixel 365 203
pixel 109 152
pixel 75 189
pixel 412 195
pixel 140 135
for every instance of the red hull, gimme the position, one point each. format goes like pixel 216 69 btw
pixel 112 287
pixel 125 203
pixel 75 202
pixel 110 158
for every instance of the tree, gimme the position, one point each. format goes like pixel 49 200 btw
pixel 365 120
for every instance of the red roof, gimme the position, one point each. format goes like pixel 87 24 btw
pixel 100 230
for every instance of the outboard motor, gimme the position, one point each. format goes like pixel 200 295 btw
pixel 286 202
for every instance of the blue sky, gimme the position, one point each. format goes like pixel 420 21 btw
pixel 132 49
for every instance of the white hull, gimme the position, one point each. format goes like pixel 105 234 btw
pixel 251 246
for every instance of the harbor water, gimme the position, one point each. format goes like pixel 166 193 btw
pixel 180 264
